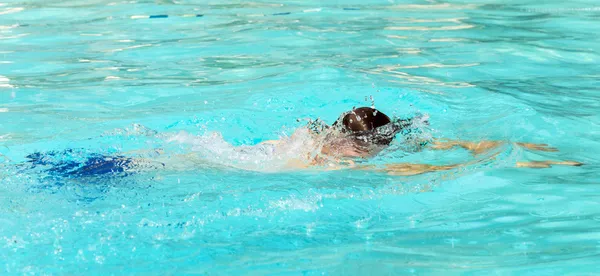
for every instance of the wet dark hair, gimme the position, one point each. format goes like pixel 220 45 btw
pixel 364 119
pixel 366 125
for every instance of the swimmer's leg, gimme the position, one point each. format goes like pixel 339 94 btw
pixel 546 164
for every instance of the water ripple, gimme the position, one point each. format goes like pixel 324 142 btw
pixel 76 73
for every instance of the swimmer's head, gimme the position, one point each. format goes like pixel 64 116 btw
pixel 362 132
pixel 364 121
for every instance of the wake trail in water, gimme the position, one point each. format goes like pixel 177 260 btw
pixel 265 157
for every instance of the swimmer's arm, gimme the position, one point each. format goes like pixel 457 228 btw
pixel 321 163
pixel 546 164
pixel 483 146
pixel 407 169
pixel 474 147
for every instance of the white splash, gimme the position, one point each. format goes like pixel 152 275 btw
pixel 265 157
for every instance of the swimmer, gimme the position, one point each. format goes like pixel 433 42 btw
pixel 355 136
pixel 364 132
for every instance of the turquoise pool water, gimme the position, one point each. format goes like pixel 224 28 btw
pixel 103 77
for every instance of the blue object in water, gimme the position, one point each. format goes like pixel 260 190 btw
pixel 64 164
pixel 103 165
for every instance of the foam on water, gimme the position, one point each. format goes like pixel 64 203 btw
pixel 262 157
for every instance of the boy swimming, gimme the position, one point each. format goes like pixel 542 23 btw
pixel 364 132
pixel 354 137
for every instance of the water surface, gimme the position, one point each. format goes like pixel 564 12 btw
pixel 102 77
